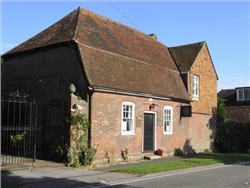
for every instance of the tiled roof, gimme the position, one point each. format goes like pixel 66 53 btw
pixel 114 55
pixel 185 55
pixel 61 31
pixel 229 98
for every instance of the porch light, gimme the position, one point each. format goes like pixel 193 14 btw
pixel 152 106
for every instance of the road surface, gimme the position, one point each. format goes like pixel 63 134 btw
pixel 229 176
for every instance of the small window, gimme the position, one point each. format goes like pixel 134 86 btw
pixel 128 111
pixel 247 94
pixel 243 94
pixel 240 94
pixel 196 86
pixel 168 120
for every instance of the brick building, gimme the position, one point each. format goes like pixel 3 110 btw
pixel 137 92
pixel 237 103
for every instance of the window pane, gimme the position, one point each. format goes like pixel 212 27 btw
pixel 240 91
pixel 165 126
pixel 130 114
pixel 124 125
pixel 247 94
pixel 129 124
pixel 195 85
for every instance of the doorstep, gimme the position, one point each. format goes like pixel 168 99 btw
pixel 151 157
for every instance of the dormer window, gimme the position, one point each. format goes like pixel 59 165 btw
pixel 196 86
pixel 243 94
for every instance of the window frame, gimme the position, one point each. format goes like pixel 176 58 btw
pixel 243 94
pixel 194 82
pixel 171 120
pixel 132 132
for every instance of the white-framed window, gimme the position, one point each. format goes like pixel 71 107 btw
pixel 168 120
pixel 243 94
pixel 128 118
pixel 196 86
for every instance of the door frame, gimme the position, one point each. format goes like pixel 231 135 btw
pixel 155 130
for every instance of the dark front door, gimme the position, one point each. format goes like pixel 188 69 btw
pixel 149 132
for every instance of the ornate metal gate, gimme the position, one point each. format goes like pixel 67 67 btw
pixel 18 129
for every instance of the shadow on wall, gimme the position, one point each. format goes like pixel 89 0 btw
pixel 187 148
pixel 12 181
pixel 212 122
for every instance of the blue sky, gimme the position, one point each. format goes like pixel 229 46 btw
pixel 223 25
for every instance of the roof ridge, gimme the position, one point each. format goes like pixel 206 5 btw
pixel 120 23
pixel 76 24
pixel 190 44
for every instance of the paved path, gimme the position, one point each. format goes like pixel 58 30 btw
pixel 228 176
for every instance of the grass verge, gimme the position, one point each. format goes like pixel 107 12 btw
pixel 186 162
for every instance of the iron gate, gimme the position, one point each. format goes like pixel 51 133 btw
pixel 18 131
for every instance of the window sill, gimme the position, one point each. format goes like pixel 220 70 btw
pixel 127 133
pixel 167 133
pixel 195 98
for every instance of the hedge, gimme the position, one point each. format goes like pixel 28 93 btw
pixel 232 137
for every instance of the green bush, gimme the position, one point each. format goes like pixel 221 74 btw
pixel 87 156
pixel 81 119
pixel 221 111
pixel 17 138
pixel 232 137
pixel 178 152
pixel 125 154
pixel 73 158
pixel 77 158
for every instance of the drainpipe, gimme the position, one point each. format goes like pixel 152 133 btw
pixel 89 95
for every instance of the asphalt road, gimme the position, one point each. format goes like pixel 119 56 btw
pixel 215 176
pixel 230 176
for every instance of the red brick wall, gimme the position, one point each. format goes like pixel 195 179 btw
pixel 239 113
pixel 106 126
pixel 200 131
pixel 203 67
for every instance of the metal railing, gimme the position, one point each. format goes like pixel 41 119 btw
pixel 18 131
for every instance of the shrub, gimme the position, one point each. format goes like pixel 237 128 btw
pixel 73 158
pixel 17 138
pixel 77 158
pixel 61 151
pixel 125 154
pixel 87 156
pixel 232 137
pixel 221 111
pixel 178 152
pixel 81 119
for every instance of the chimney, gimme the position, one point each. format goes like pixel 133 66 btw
pixel 153 36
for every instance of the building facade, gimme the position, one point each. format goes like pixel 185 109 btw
pixel 133 88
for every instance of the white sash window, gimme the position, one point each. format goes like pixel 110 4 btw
pixel 128 120
pixel 168 120
pixel 196 86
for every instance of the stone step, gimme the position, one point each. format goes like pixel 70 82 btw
pixel 151 156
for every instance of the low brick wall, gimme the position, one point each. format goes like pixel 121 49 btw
pixel 239 113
